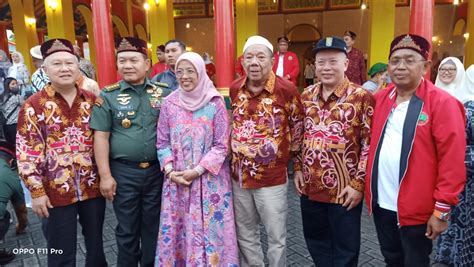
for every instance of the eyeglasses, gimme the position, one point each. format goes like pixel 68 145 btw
pixel 180 73
pixel 394 62
pixel 450 70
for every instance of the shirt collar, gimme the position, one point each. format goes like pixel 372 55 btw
pixel 51 92
pixel 125 85
pixel 340 89
pixel 269 84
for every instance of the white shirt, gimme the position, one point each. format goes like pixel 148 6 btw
pixel 279 71
pixel 389 160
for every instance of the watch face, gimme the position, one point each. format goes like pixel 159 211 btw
pixel 445 216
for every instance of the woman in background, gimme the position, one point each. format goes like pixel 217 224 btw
pixel 20 72
pixel 451 76
pixel 467 96
pixel 5 64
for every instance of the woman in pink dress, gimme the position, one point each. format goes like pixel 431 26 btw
pixel 197 218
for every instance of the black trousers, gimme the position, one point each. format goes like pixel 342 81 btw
pixel 332 233
pixel 60 230
pixel 137 206
pixel 401 246
pixel 10 133
pixel 4 224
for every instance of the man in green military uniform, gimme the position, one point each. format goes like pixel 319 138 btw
pixel 124 119
pixel 10 190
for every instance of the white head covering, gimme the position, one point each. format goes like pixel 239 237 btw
pixel 458 80
pixel 22 60
pixel 466 91
pixel 35 52
pixel 207 60
pixel 257 40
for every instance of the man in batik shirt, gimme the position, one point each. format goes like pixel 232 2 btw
pixel 55 159
pixel 356 71
pixel 334 153
pixel 267 126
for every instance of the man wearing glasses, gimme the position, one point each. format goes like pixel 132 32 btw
pixel 416 158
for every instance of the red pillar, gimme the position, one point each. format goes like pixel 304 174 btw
pixel 225 44
pixel 421 21
pixel 40 33
pixel 80 43
pixel 104 42
pixel 3 37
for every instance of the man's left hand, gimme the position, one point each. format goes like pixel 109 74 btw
pixel 353 197
pixel 435 227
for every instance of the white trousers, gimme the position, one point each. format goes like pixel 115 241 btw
pixel 268 205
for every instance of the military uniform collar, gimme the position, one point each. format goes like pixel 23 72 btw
pixel 125 85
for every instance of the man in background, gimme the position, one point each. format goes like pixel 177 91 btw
pixel 356 72
pixel 173 49
pixel 286 63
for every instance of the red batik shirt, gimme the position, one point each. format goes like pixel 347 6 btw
pixel 267 132
pixel 356 71
pixel 55 147
pixel 336 140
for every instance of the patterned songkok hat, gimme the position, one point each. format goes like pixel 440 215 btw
pixel 131 44
pixel 411 41
pixel 56 45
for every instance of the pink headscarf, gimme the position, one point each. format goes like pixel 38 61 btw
pixel 205 89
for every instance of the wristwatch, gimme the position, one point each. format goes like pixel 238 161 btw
pixel 444 216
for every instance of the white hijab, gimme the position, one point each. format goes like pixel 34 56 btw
pixel 15 69
pixel 454 86
pixel 466 92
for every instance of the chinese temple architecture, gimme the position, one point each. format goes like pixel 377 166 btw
pixel 220 27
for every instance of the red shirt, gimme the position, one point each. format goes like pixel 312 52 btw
pixel 211 70
pixel 157 69
pixel 267 132
pixel 55 147
pixel 291 66
pixel 356 71
pixel 239 69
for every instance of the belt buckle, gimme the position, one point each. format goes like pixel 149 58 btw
pixel 144 165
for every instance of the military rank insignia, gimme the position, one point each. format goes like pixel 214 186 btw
pixel 99 101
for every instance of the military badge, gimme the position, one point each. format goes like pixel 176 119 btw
pixel 126 123
pixel 290 58
pixel 124 99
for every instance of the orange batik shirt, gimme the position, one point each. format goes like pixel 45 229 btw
pixel 55 147
pixel 336 140
pixel 266 132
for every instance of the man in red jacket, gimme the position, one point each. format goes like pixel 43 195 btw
pixel 416 159
pixel 286 63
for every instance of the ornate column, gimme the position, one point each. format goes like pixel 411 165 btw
pixel 104 42
pixel 225 44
